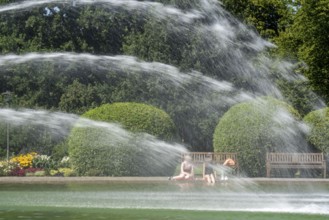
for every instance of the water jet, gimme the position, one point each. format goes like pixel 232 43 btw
pixel 239 70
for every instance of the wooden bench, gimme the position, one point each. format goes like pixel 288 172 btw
pixel 199 158
pixel 295 161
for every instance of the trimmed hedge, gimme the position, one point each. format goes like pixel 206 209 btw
pixel 136 117
pixel 319 133
pixel 97 151
pixel 253 128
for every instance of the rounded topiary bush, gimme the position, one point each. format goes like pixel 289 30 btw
pixel 318 135
pixel 253 128
pixel 98 148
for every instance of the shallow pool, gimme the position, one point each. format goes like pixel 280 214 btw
pixel 176 199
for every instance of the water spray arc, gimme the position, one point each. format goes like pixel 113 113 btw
pixel 239 71
pixel 240 59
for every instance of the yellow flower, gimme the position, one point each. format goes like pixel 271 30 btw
pixel 24 160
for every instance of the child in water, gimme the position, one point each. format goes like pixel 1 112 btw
pixel 186 170
pixel 228 163
pixel 209 175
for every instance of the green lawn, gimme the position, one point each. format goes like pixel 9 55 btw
pixel 144 214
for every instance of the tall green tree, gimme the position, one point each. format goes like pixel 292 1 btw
pixel 63 27
pixel 268 17
pixel 307 40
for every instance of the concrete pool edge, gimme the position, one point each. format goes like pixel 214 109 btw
pixel 52 180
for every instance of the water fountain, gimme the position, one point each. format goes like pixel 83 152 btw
pixel 242 59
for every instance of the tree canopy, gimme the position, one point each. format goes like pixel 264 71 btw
pixel 306 40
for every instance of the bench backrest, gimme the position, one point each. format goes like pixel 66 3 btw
pixel 217 157
pixel 289 158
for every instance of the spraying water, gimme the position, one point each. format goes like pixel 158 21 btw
pixel 222 36
pixel 234 58
pixel 120 63
pixel 60 124
pixel 157 9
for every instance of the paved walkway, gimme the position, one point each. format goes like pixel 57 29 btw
pixel 53 180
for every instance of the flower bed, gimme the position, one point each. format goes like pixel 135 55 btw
pixel 33 164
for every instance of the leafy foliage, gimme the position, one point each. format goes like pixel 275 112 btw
pixel 97 151
pixel 300 95
pixel 63 27
pixel 269 17
pixel 136 117
pixel 306 40
pixel 253 128
pixel 190 48
pixel 26 138
pixel 319 129
pixel 299 29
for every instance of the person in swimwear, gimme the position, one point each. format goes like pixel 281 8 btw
pixel 228 163
pixel 186 170
pixel 209 175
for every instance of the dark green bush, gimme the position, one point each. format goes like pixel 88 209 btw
pixel 136 117
pixel 319 132
pixel 111 151
pixel 26 137
pixel 59 151
pixel 253 128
